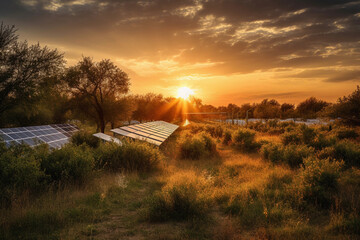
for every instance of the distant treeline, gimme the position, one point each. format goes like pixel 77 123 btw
pixel 37 88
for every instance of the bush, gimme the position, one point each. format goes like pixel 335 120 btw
pixel 346 134
pixel 321 141
pixel 181 202
pixel 131 156
pixel 248 207
pixel 291 138
pixel 244 140
pixel 70 164
pixel 318 180
pixel 292 155
pixel 197 147
pixel 82 137
pixel 20 171
pixel 214 131
pixel 349 152
pixel 308 134
pixel 227 137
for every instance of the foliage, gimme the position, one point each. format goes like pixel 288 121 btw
pixel 347 151
pixel 347 108
pixel 25 73
pixel 130 156
pixel 197 147
pixel 292 137
pixel 215 131
pixel 311 107
pixel 244 140
pixel 318 180
pixel 227 137
pixel 83 137
pixel 292 155
pixel 96 89
pixel 180 202
pixel 70 164
pixel 345 133
pixel 19 171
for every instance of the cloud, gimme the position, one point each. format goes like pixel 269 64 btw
pixel 169 39
pixel 345 76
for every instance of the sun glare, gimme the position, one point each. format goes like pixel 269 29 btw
pixel 185 93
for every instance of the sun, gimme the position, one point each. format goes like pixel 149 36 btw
pixel 184 93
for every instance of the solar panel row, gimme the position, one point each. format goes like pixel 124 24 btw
pixel 55 135
pixel 153 132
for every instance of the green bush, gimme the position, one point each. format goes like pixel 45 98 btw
pixel 318 180
pixel 197 147
pixel 321 141
pixel 292 155
pixel 70 164
pixel 345 133
pixel 291 138
pixel 20 171
pixel 227 137
pixel 248 207
pixel 308 134
pixel 82 137
pixel 181 202
pixel 214 131
pixel 131 156
pixel 349 152
pixel 244 140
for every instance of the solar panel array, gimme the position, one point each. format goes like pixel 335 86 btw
pixel 153 132
pixel 55 135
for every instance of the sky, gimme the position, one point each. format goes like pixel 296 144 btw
pixel 234 51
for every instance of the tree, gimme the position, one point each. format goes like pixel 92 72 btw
pixel 96 89
pixel 287 110
pixel 310 107
pixel 24 69
pixel 267 109
pixel 348 108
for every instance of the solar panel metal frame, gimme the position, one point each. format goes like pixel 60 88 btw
pixel 153 132
pixel 55 135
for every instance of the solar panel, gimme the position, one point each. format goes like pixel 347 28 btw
pixel 153 132
pixel 107 138
pixel 55 135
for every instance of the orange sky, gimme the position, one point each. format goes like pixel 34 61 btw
pixel 227 51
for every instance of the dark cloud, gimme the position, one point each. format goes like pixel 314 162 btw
pixel 240 36
pixel 345 76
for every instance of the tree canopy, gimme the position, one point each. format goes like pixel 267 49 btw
pixel 96 89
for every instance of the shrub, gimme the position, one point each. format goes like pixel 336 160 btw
pixel 318 180
pixel 214 131
pixel 227 137
pixel 197 147
pixel 244 140
pixel 131 156
pixel 349 152
pixel 180 202
pixel 70 164
pixel 321 141
pixel 345 133
pixel 292 155
pixel 248 208
pixel 19 171
pixel 308 134
pixel 82 137
pixel 291 138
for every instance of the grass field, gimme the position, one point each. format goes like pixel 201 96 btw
pixel 258 184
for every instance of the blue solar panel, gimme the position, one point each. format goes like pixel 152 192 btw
pixel 55 135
